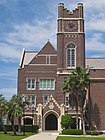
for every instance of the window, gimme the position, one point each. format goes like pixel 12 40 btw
pixel 31 84
pixel 71 55
pixel 47 59
pixel 67 100
pixel 46 84
pixel 32 100
pixel 45 98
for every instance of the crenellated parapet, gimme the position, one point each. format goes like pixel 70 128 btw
pixel 65 13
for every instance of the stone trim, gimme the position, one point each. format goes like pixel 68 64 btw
pixel 51 98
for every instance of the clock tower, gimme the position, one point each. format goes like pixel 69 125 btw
pixel 70 38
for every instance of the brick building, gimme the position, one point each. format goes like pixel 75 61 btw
pixel 41 76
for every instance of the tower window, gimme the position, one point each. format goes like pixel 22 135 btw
pixel 71 55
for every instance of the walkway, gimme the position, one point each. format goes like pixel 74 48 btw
pixel 47 135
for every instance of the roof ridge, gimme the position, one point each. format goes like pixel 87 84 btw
pixel 96 58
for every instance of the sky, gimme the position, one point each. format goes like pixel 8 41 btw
pixel 30 23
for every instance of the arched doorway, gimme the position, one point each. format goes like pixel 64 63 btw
pixel 51 122
pixel 28 121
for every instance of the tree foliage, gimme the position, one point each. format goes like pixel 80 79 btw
pixel 15 108
pixel 76 85
pixel 3 109
pixel 66 121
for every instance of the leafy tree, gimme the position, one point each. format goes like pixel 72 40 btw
pixel 66 121
pixel 3 108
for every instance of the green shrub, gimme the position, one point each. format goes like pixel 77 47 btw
pixel 28 128
pixel 72 132
pixel 9 127
pixel 66 121
pixel 94 132
pixel 88 132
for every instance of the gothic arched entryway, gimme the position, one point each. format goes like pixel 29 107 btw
pixel 51 122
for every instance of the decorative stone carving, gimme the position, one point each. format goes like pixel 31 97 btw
pixel 51 106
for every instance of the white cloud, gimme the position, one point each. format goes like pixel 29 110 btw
pixel 34 35
pixel 27 36
pixel 9 52
pixel 8 92
pixel 95 42
pixel 9 73
pixel 98 25
pixel 94 4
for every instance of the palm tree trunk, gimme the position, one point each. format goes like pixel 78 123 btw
pixel 19 124
pixel 13 127
pixel 77 113
pixel 2 126
pixel 83 122
pixel 76 118
pixel 4 129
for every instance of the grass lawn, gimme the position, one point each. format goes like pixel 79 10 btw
pixel 10 136
pixel 79 138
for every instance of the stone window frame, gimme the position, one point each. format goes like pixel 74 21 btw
pixel 71 55
pixel 44 101
pixel 30 100
pixel 46 87
pixel 31 83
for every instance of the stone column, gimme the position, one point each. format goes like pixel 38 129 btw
pixel 39 116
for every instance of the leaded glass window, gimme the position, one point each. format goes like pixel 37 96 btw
pixel 71 55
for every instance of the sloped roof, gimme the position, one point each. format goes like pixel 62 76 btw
pixel 48 49
pixel 26 58
pixel 95 63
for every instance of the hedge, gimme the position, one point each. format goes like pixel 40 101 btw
pixel 94 132
pixel 28 128
pixel 72 132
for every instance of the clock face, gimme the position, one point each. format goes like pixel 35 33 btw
pixel 71 26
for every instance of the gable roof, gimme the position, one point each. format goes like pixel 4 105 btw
pixel 28 56
pixel 95 63
pixel 48 49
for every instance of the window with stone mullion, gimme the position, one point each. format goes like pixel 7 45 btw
pixel 71 55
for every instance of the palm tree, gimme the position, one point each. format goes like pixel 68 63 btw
pixel 70 87
pixel 76 85
pixel 3 107
pixel 15 109
pixel 83 78
pixel 22 101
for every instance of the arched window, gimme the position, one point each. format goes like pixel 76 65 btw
pixel 71 55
